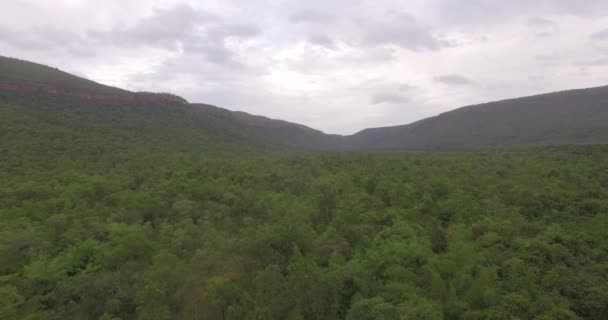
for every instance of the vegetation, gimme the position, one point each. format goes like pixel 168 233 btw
pixel 125 234
pixel 567 117
pixel 15 70
pixel 114 210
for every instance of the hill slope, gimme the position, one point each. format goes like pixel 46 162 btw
pixel 68 102
pixel 37 102
pixel 20 71
pixel 567 117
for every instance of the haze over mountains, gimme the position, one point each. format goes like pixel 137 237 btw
pixel 68 102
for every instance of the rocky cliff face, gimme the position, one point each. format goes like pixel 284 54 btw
pixel 52 90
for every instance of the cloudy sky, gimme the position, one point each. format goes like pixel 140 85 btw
pixel 335 65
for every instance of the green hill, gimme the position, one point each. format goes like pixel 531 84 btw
pixel 568 117
pixel 20 71
pixel 58 104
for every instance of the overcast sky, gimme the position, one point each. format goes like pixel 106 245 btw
pixel 335 65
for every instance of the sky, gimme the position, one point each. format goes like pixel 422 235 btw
pixel 335 65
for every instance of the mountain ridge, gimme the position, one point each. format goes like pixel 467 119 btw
pixel 576 116
pixel 503 122
pixel 482 104
pixel 28 77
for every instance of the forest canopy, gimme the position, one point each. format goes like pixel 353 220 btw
pixel 235 235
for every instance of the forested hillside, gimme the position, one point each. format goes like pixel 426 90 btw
pixel 19 71
pixel 567 117
pixel 68 103
pixel 154 208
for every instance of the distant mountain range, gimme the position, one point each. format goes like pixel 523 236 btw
pixel 47 96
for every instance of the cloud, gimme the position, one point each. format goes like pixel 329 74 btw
pixel 540 23
pixel 548 59
pixel 593 62
pixel 600 35
pixel 543 27
pixel 238 30
pixel 390 98
pixel 211 52
pixel 47 38
pixel 323 41
pixel 165 28
pixel 401 29
pixel 454 79
pixel 184 28
pixel 488 14
pixel 309 16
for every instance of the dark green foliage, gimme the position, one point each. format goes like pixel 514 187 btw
pixel 249 236
pixel 566 117
pixel 156 211
pixel 15 70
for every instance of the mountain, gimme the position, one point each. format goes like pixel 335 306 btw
pixel 19 72
pixel 36 97
pixel 567 117
pixel 278 131
pixel 32 78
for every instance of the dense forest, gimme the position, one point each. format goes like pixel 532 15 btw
pixel 244 235
pixel 150 210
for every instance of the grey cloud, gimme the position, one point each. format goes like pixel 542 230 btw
pixel 22 41
pixel 243 30
pixel 454 79
pixel 540 23
pixel 543 34
pixel 593 62
pixel 47 39
pixel 182 27
pixel 389 98
pixel 543 27
pixel 212 52
pixel 380 84
pixel 600 35
pixel 359 28
pixel 547 58
pixel 180 23
pixel 487 13
pixel 205 67
pixel 470 12
pixel 322 40
pixel 401 29
pixel 220 32
pixel 388 92
pixel 309 17
pixel 590 8
pixel 535 78
pixel 165 28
